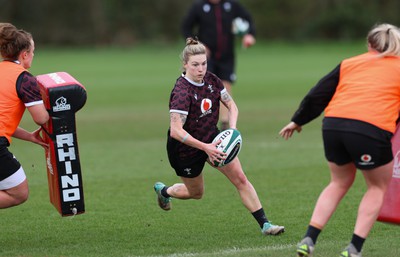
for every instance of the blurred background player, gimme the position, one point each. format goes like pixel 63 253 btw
pixel 211 21
pixel 361 99
pixel 194 110
pixel 18 91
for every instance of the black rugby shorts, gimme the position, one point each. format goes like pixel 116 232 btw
pixel 224 69
pixel 343 147
pixel 188 168
pixel 8 164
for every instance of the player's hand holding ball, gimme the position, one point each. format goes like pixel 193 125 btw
pixel 229 143
pixel 216 155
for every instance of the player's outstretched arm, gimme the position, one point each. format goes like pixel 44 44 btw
pixel 33 137
pixel 288 130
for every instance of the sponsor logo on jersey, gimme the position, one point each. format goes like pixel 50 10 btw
pixel 227 7
pixel 206 8
pixel 210 87
pixel 205 106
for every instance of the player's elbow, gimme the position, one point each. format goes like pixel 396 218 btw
pixel 41 118
pixel 39 114
pixel 233 109
pixel 174 133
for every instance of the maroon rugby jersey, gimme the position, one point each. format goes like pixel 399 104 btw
pixel 200 102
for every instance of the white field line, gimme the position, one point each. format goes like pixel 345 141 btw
pixel 230 251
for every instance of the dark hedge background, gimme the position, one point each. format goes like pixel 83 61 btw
pixel 127 22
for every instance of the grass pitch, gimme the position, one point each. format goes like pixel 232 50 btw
pixel 121 135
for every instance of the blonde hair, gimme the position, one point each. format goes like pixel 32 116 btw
pixel 13 41
pixel 193 47
pixel 385 39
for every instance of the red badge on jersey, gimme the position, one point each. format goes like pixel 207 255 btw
pixel 206 105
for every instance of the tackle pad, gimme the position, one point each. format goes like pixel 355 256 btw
pixel 63 96
pixel 390 211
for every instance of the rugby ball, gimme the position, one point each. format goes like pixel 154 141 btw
pixel 231 143
pixel 240 26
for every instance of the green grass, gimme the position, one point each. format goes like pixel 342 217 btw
pixel 121 134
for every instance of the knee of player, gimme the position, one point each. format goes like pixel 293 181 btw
pixel 22 199
pixel 197 195
pixel 19 199
pixel 242 181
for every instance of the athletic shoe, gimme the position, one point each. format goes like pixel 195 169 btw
pixel 305 248
pixel 350 251
pixel 163 202
pixel 270 229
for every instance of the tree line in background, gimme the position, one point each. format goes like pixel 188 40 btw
pixel 127 22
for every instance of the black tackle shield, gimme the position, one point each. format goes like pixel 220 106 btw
pixel 63 96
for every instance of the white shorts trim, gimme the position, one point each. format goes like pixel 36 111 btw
pixel 14 180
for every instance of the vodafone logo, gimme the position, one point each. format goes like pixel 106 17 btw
pixel 206 105
pixel 396 165
pixel 366 160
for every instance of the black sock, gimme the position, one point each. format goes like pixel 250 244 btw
pixel 164 192
pixel 357 242
pixel 313 233
pixel 260 217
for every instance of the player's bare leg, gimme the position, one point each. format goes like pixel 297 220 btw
pixel 377 181
pixel 234 172
pixel 191 188
pixel 342 177
pixel 14 196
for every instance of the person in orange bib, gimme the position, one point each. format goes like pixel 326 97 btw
pixel 18 91
pixel 361 101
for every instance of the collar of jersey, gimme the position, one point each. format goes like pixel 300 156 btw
pixel 192 82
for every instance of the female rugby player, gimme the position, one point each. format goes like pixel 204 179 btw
pixel 361 99
pixel 18 91
pixel 194 110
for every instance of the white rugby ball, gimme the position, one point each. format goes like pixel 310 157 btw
pixel 240 26
pixel 231 143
